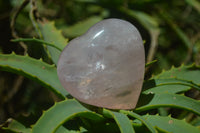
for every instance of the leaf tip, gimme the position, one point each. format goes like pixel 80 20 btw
pixel 13 53
pixel 53 65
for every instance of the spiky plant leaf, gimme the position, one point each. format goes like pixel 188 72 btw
pixel 170 124
pixel 60 113
pixel 187 73
pixel 152 101
pixel 146 123
pixel 37 70
pixel 53 36
pixel 175 80
pixel 81 27
pixel 17 127
pixel 122 121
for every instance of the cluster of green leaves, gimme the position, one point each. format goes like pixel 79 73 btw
pixel 156 20
pixel 161 93
pixel 163 90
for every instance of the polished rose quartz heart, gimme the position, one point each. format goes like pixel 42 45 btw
pixel 105 66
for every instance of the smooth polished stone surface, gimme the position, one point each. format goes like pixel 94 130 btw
pixel 105 66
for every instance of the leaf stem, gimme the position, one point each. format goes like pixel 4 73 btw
pixel 150 63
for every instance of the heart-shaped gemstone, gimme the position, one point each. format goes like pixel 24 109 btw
pixel 105 66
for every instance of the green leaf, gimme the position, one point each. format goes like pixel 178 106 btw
pixel 17 127
pixel 60 113
pixel 147 102
pixel 146 123
pixel 53 36
pixel 122 121
pixel 37 70
pixel 36 41
pixel 75 125
pixel 167 89
pixel 161 130
pixel 175 80
pixel 81 27
pixel 196 122
pixel 189 73
pixel 62 129
pixel 170 124
pixel 171 85
pixel 150 63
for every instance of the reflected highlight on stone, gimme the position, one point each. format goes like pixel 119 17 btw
pixel 105 66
